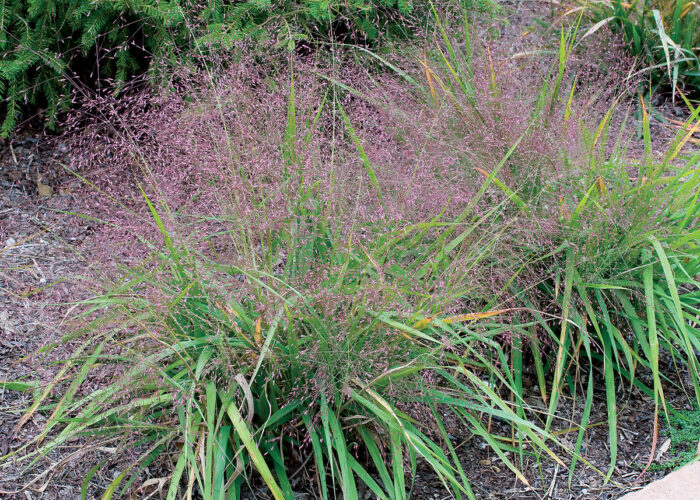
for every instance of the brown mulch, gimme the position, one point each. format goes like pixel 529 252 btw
pixel 41 257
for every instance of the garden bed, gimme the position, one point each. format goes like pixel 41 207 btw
pixel 55 249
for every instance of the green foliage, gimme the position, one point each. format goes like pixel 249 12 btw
pixel 624 273
pixel 53 47
pixel 684 432
pixel 49 47
pixel 665 34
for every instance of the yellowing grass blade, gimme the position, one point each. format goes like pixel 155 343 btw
pixel 600 184
pixel 462 317
pixel 567 111
pixel 424 62
pixel 561 351
pixel 603 123
pixel 257 335
pixel 688 137
pixel 596 27
pixel 253 450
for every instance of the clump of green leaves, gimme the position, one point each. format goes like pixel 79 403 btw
pixel 664 34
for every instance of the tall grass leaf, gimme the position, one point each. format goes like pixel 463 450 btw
pixel 88 477
pixel 318 455
pixel 18 386
pixel 290 133
pixel 415 441
pixel 534 433
pixel 569 102
pixel 453 454
pixel 664 43
pixel 47 390
pixel 587 406
pixel 596 27
pixel 272 330
pixel 508 192
pixel 478 429
pixel 363 156
pixel 202 360
pixel 539 365
pixel 561 352
pixel 386 63
pixel 560 75
pixel 377 460
pixel 211 444
pixel 67 397
pixel 603 123
pixel 166 236
pixel 247 439
pixel 347 479
pixel 325 416
pixel 112 488
pixel 397 464
pixel 433 94
pixel 582 203
pixel 452 64
pixel 367 479
pixel 683 240
pixel 412 332
pixel 683 135
pixel 175 478
pixel 517 369
pixel 468 45
pixel 645 166
pixel 281 471
pixel 222 457
pixel 611 403
pixel 678 315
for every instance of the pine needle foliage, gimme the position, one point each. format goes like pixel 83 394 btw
pixel 49 48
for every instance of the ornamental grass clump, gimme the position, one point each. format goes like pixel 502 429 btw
pixel 621 268
pixel 294 312
pixel 663 35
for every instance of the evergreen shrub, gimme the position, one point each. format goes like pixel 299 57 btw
pixel 49 48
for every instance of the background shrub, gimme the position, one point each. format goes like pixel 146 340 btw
pixel 52 47
pixel 49 47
